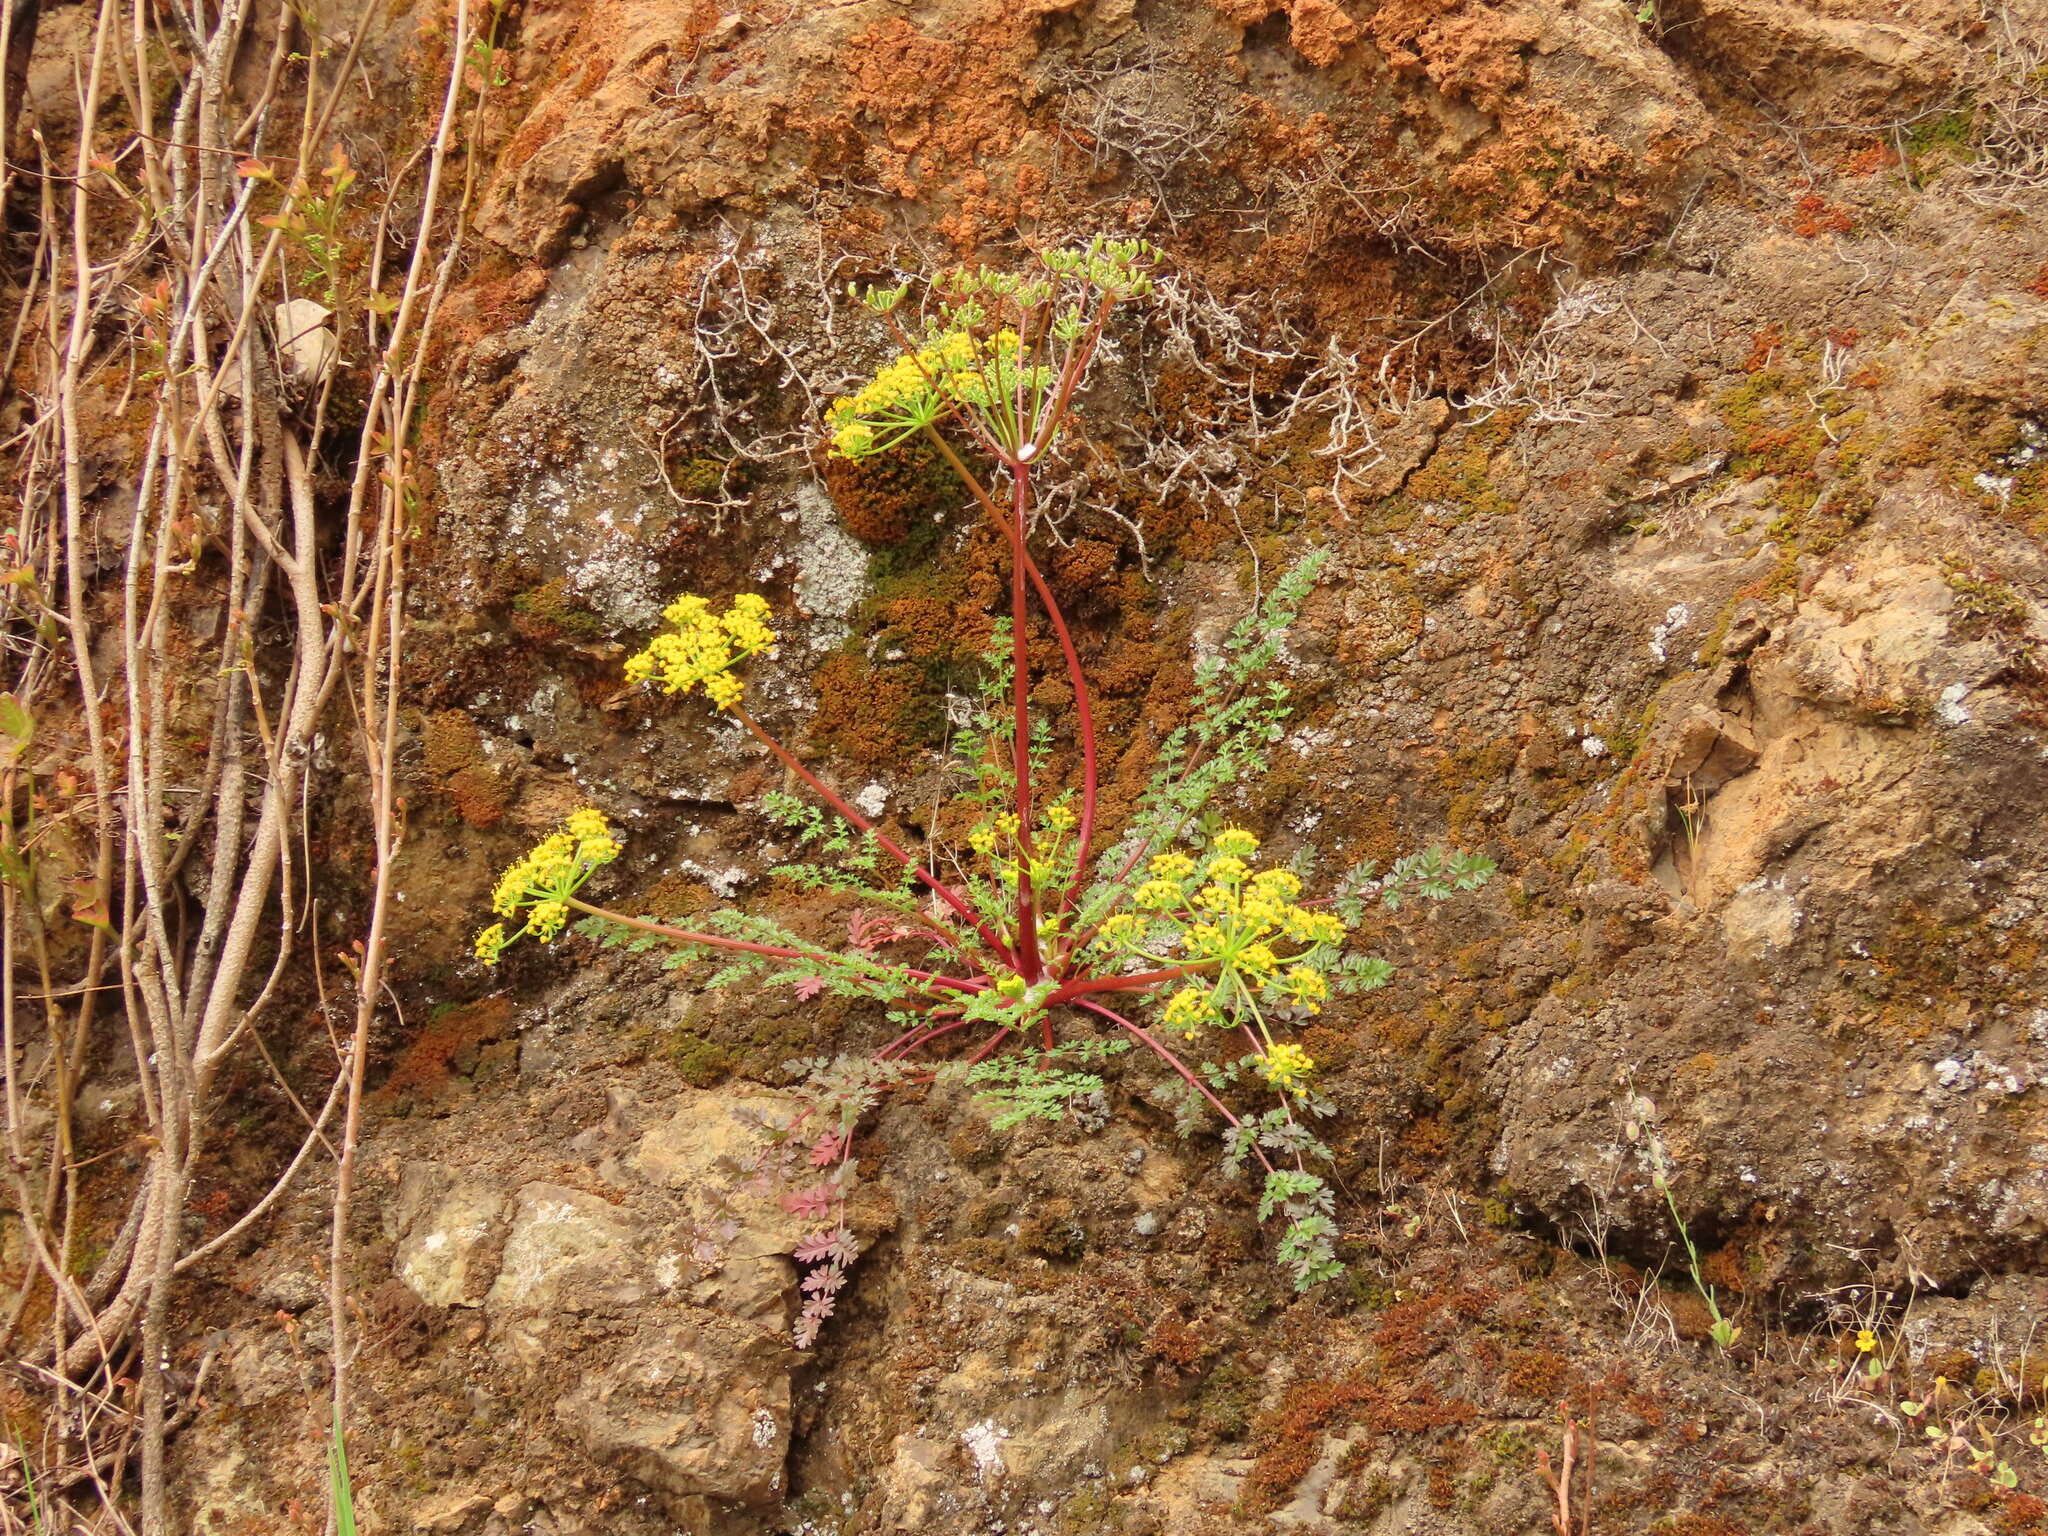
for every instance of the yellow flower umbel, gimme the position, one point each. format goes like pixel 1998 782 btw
pixel 541 883
pixel 1251 955
pixel 1287 1067
pixel 704 648
pixel 1189 1009
pixel 1306 987
pixel 1235 842
pixel 955 369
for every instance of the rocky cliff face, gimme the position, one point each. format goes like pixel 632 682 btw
pixel 1671 387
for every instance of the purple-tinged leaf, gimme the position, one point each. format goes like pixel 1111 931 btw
pixel 830 1245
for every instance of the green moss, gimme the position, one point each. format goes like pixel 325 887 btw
pixel 1229 1398
pixel 1948 135
pixel 700 1062
pixel 1459 475
pixel 548 613
pixel 1979 596
pixel 701 477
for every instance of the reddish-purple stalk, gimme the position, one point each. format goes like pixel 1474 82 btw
pixel 1179 1066
pixel 938 887
pixel 772 951
pixel 1084 712
pixel 1020 693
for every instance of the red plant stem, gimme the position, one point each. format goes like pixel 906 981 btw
pixel 924 1039
pixel 1179 1066
pixel 1084 711
pixel 1077 364
pixel 939 888
pixel 911 1034
pixel 747 946
pixel 1020 739
pixel 1073 991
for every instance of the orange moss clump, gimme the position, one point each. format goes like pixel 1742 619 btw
pixel 1814 216
pixel 1870 159
pixel 453 749
pixel 480 794
pixel 446 1044
pixel 866 712
pixel 883 499
pixel 1176 1343
pixel 1290 1434
pixel 451 742
pixel 933 627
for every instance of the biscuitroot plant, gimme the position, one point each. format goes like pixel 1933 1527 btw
pixel 1017 942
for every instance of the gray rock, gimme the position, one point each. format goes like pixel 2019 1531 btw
pixel 566 1251
pixel 449 1230
pixel 698 1410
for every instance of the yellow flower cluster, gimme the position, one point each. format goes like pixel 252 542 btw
pixel 1287 1067
pixel 998 842
pixel 919 387
pixel 705 647
pixel 541 883
pixel 983 839
pixel 1235 842
pixel 1306 985
pixel 903 394
pixel 1220 911
pixel 1191 1008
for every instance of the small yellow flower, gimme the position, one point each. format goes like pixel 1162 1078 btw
pixel 1172 866
pixel 1189 1009
pixel 541 883
pixel 982 840
pixel 723 690
pixel 1280 884
pixel 1228 869
pixel 1258 960
pixel 704 648
pixel 1235 842
pixel 595 843
pixel 1156 896
pixel 1287 1067
pixel 1059 817
pixel 687 611
pixel 1306 927
pixel 1866 1341
pixel 1306 985
pixel 853 440
pixel 1123 928
pixel 1262 911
